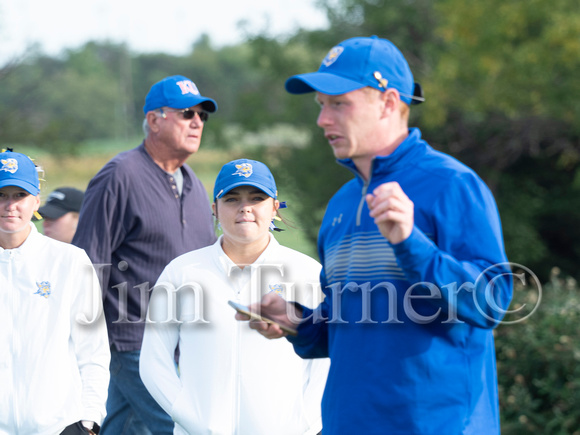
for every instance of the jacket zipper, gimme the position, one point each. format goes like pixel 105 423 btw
pixel 237 380
pixel 361 203
pixel 237 374
pixel 366 184
pixel 15 341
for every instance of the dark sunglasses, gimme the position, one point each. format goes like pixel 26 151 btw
pixel 187 114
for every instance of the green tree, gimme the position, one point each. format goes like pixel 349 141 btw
pixel 503 86
pixel 59 103
pixel 537 364
pixel 519 58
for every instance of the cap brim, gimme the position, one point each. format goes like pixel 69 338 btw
pixel 51 212
pixel 208 104
pixel 247 183
pixel 321 82
pixel 30 188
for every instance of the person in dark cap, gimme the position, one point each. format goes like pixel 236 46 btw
pixel 413 263
pixel 60 213
pixel 144 208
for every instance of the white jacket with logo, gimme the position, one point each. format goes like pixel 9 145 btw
pixel 231 379
pixel 54 352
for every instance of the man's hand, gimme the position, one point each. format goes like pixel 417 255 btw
pixel 277 309
pixel 392 211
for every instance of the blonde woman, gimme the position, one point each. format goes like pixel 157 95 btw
pixel 54 364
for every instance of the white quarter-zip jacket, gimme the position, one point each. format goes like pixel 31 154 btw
pixel 231 379
pixel 54 352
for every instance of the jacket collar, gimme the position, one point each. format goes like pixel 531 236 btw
pixel 408 152
pixel 228 265
pixel 29 245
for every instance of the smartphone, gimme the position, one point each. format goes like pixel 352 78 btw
pixel 245 310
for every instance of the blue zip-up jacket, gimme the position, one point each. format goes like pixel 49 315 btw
pixel 408 327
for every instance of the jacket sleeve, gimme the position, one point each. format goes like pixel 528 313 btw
pixel 315 374
pixel 157 361
pixel 312 338
pixel 89 340
pixel 465 263
pixel 315 370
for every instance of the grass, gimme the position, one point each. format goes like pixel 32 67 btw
pixel 77 171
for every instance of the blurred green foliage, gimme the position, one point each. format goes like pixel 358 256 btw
pixel 538 363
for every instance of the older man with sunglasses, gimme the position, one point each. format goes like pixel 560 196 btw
pixel 144 208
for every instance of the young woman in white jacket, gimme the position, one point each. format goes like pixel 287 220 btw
pixel 54 350
pixel 230 380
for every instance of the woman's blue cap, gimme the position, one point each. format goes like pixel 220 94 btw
pixel 244 172
pixel 18 170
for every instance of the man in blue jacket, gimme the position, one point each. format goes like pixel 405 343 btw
pixel 414 268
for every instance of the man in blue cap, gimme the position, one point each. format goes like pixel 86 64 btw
pixel 144 208
pixel 414 267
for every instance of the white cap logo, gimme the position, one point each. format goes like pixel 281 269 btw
pixel 9 165
pixel 188 87
pixel 56 195
pixel 332 55
pixel 244 170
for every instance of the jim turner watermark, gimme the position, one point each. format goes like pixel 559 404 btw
pixel 504 293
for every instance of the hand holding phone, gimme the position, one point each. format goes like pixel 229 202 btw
pixel 245 310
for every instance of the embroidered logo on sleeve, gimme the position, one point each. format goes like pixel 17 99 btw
pixel 277 288
pixel 43 289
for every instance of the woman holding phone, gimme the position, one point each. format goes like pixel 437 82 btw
pixel 231 380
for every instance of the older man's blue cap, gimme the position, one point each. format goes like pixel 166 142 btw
pixel 177 92
pixel 356 63
pixel 244 172
pixel 18 170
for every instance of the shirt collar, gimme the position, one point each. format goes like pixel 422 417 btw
pixel 29 245
pixel 228 265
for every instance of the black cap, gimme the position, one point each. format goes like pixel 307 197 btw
pixel 62 201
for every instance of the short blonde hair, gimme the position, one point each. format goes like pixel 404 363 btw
pixel 404 107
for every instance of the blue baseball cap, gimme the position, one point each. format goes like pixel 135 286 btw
pixel 244 172
pixel 356 63
pixel 177 92
pixel 18 170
